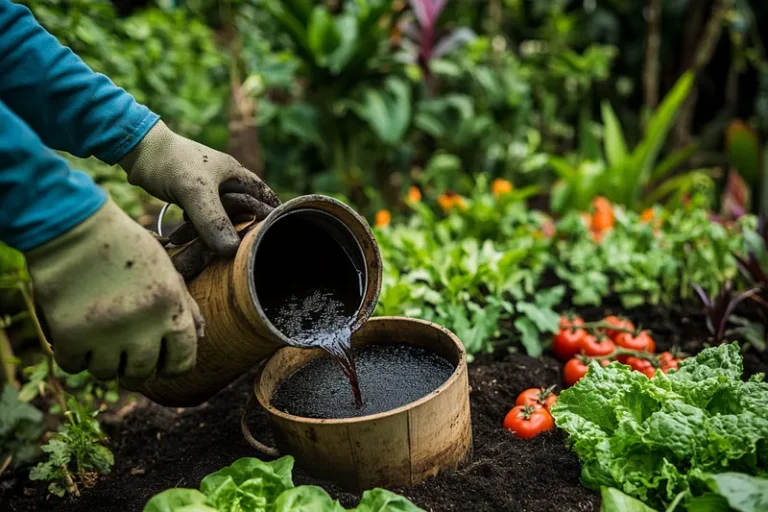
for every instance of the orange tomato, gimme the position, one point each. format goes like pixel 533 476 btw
pixel 603 217
pixel 500 187
pixel 647 215
pixel 383 218
pixel 414 194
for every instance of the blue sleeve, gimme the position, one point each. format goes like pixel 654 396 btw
pixel 69 106
pixel 40 196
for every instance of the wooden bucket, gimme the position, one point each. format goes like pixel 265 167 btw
pixel 238 335
pixel 396 448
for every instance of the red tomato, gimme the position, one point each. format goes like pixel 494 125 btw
pixel 537 398
pixel 566 321
pixel 641 342
pixel 595 347
pixel 573 371
pixel 527 422
pixel 621 323
pixel 641 365
pixel 667 361
pixel 567 343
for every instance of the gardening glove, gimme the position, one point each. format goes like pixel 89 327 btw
pixel 112 302
pixel 208 185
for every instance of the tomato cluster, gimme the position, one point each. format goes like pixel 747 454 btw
pixel 531 416
pixel 613 338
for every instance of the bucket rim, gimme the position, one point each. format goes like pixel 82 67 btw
pixel 461 368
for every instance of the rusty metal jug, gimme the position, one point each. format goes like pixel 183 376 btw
pixel 238 334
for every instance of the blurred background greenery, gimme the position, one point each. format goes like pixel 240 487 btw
pixel 364 98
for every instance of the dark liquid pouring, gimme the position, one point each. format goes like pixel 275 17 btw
pixel 311 285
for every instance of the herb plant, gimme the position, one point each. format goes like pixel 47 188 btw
pixel 255 486
pixel 654 438
pixel 76 453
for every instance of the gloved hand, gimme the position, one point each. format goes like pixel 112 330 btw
pixel 208 185
pixel 112 301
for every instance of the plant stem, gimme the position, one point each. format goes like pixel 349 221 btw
pixel 53 382
pixel 5 464
pixel 71 485
pixel 705 49
pixel 7 366
pixel 653 45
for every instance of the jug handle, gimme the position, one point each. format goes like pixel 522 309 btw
pixel 258 445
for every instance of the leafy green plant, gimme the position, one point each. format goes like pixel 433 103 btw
pixel 655 261
pixel 634 178
pixel 252 485
pixel 471 269
pixel 76 452
pixel 654 438
pixel 21 426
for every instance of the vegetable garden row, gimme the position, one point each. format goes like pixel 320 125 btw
pixel 645 414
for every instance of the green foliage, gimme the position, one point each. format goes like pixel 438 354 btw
pixel 75 452
pixel 613 500
pixel 83 385
pixel 21 426
pixel 625 176
pixel 732 491
pixel 647 262
pixel 252 485
pixel 471 269
pixel 167 59
pixel 654 438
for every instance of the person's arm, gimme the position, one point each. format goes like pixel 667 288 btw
pixel 69 106
pixel 40 196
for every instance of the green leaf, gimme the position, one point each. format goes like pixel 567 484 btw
pixel 615 144
pixel 743 493
pixel 529 336
pixel 616 501
pixel 307 498
pixel 388 112
pixel 651 438
pixel 382 500
pixel 275 476
pixel 178 500
pixel 546 319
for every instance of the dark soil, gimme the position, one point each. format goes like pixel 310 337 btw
pixel 158 448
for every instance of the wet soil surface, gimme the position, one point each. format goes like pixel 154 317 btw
pixel 158 448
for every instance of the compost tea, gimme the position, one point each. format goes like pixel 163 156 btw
pixel 390 376
pixel 311 287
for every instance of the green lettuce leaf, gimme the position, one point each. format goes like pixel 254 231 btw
pixel 306 498
pixel 742 493
pixel 649 438
pixel 616 501
pixel 381 500
pixel 179 500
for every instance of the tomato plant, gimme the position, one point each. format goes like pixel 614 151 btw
pixel 527 422
pixel 620 323
pixel 537 398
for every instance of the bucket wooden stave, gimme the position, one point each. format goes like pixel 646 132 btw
pixel 396 448
pixel 238 335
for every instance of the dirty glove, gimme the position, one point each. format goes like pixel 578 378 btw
pixel 112 301
pixel 208 185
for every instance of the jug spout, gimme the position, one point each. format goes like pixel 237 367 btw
pixel 307 240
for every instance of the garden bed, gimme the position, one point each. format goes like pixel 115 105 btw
pixel 158 448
